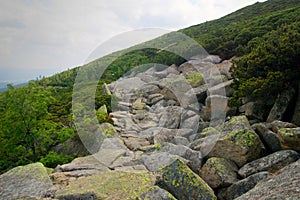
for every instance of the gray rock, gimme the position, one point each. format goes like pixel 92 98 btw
pixel 156 161
pixel 168 135
pixel 271 163
pixel 171 117
pixel 284 185
pixel 179 140
pixel 281 104
pixel 30 181
pixel 219 172
pixel 158 194
pixel 289 138
pixel 241 187
pixel 269 138
pixel 183 184
pixel 195 157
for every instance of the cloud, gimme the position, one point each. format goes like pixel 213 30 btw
pixel 50 36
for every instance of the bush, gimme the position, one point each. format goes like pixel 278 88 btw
pixel 52 159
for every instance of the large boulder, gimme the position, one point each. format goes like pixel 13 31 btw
pixel 183 183
pixel 109 185
pixel 284 185
pixel 219 172
pixel 290 138
pixel 241 187
pixel 240 146
pixel 271 163
pixel 26 182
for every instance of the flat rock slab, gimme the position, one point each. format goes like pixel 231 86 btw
pixel 29 181
pixel 109 185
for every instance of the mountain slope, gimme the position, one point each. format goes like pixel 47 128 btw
pixel 241 33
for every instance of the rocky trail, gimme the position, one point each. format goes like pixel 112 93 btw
pixel 176 137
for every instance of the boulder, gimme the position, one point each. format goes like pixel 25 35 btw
pixel 241 187
pixel 109 185
pixel 183 183
pixel 155 161
pixel 240 146
pixel 156 193
pixel 195 157
pixel 219 172
pixel 271 163
pixel 283 185
pixel 281 104
pixel 289 138
pixel 26 182
pixel 269 138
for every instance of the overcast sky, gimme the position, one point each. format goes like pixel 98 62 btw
pixel 43 37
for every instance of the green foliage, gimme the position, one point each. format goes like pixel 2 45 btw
pixel 52 159
pixel 271 66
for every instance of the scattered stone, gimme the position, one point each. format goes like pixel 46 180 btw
pixel 26 182
pixel 184 184
pixel 289 138
pixel 283 185
pixel 271 163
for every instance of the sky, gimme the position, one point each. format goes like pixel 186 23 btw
pixel 44 37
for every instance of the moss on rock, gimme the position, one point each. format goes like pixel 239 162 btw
pixel 109 185
pixel 183 183
pixel 195 79
pixel 289 138
pixel 242 137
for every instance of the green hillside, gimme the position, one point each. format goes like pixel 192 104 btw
pixel 265 36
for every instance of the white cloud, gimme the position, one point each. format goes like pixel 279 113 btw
pixel 49 36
